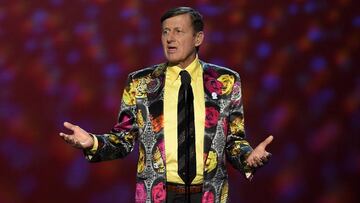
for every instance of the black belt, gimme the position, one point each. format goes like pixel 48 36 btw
pixel 181 189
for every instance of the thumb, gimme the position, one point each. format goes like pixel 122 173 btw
pixel 267 141
pixel 69 126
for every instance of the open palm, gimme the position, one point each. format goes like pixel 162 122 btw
pixel 79 137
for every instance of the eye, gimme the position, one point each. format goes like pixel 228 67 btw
pixel 165 32
pixel 178 31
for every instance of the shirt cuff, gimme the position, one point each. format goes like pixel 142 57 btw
pixel 249 175
pixel 95 146
pixel 89 153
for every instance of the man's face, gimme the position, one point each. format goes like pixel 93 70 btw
pixel 179 40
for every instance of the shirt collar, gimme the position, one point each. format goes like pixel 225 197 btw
pixel 193 68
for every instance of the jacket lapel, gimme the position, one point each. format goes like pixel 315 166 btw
pixel 155 87
pixel 211 104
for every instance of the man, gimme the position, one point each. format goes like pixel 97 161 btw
pixel 182 153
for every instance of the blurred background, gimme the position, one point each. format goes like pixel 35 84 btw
pixel 68 61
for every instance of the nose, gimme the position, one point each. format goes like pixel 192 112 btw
pixel 170 38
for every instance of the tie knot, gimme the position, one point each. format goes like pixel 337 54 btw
pixel 185 77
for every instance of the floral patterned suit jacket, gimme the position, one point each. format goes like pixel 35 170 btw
pixel 141 119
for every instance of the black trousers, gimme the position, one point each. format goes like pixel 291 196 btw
pixel 173 197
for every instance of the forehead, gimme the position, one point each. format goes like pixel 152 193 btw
pixel 182 20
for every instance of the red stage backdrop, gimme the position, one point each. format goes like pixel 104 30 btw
pixel 68 61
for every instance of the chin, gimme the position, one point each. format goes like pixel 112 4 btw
pixel 172 60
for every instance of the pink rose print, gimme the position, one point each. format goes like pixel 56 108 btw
pixel 236 94
pixel 212 116
pixel 158 193
pixel 125 123
pixel 212 73
pixel 208 197
pixel 225 126
pixel 140 195
pixel 162 149
pixel 212 84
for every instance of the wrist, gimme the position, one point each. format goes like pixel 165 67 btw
pixel 94 144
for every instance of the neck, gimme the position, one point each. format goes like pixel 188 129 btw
pixel 186 62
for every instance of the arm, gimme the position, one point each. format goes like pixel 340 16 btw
pixel 238 150
pixel 237 147
pixel 118 142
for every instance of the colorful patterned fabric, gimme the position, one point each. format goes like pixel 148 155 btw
pixel 140 119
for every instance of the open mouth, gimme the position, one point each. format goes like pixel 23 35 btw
pixel 171 49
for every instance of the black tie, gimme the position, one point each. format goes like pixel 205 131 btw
pixel 186 130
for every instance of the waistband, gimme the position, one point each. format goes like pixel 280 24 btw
pixel 180 188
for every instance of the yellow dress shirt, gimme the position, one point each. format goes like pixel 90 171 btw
pixel 172 86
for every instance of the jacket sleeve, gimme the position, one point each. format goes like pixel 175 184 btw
pixel 237 147
pixel 120 141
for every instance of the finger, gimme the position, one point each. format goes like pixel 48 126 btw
pixel 259 162
pixel 268 155
pixel 252 160
pixel 68 138
pixel 264 159
pixel 69 126
pixel 257 159
pixel 248 161
pixel 267 141
pixel 63 135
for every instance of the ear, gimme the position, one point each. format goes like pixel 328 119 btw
pixel 199 38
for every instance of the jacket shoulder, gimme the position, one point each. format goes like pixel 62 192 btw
pixel 220 69
pixel 146 72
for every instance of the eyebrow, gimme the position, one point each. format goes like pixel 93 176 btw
pixel 167 28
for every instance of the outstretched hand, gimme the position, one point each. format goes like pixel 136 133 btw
pixel 259 156
pixel 79 137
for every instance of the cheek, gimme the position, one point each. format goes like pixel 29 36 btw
pixel 163 42
pixel 188 45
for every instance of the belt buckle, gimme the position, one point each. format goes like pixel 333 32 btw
pixel 181 189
